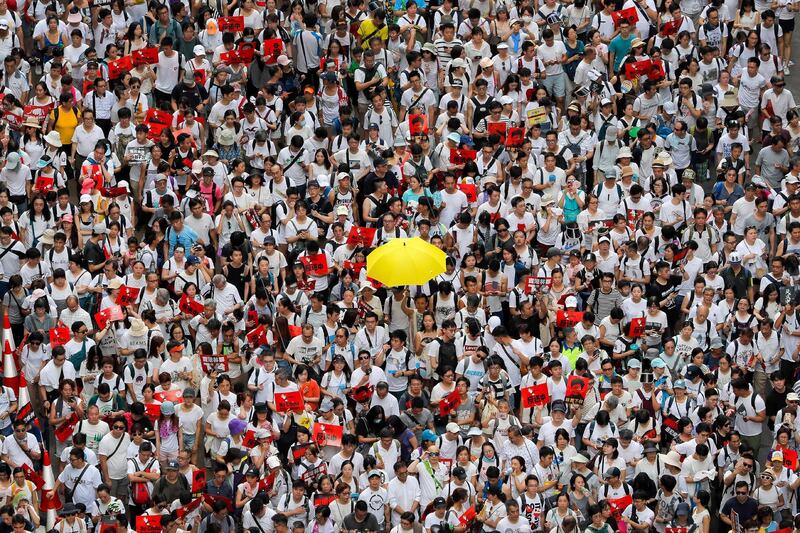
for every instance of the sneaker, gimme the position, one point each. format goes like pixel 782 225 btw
pixel 786 71
pixel 791 63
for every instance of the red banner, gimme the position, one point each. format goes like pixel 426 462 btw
pixel 515 137
pixel 180 512
pixel 567 319
pixel 535 396
pixel 120 66
pixel 462 155
pixel 272 49
pixel 418 124
pixel 190 306
pixel 497 128
pixel 235 57
pixel 327 434
pixel 471 190
pixel 145 56
pixel 231 24
pixel 210 500
pixel 449 403
pixel 289 401
pixel 212 362
pixel 636 328
pixel 39 112
pixel 172 395
pixel 109 314
pixel 59 337
pixel 148 524
pixel 198 481
pixel 315 265
pixel 361 236
pixel 127 295
pixel 628 14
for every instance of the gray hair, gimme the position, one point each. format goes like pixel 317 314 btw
pixel 219 278
pixel 162 295
pixel 210 303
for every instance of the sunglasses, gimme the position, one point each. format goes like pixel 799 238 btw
pixel 119 427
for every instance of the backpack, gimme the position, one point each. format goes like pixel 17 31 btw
pixel 140 494
pixel 74 111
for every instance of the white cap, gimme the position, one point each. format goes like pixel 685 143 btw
pixel 452 427
pixel 571 301
pixel 199 50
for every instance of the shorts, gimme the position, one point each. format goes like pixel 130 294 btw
pixel 786 25
pixel 556 85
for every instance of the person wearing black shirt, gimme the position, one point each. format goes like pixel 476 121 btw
pixel 360 520
pixel 665 290
pixel 319 208
pixel 189 92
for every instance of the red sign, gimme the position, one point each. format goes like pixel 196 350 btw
pixel 656 71
pixel 327 434
pixel 637 69
pixel 109 314
pixel 198 480
pixel 33 476
pixel 59 337
pixel 231 24
pixel 628 14
pixel 235 57
pixel 306 285
pixel 535 396
pixel 180 512
pixel 214 362
pixel 113 192
pixel 272 49
pixel 462 155
pixel 497 128
pixel 148 524
pixel 258 336
pixel 577 387
pixel 468 516
pixel 64 431
pixel 361 236
pixel 210 500
pixel 156 116
pixel 120 66
pixel 471 190
pixel 39 112
pixel 152 410
pixel 145 56
pixel 515 137
pixel 449 403
pixel 537 283
pixel 567 319
pixel 295 331
pixel 355 267
pixel 418 124
pixel 249 440
pixel 636 328
pixel 618 505
pixel 315 265
pixel 671 27
pixel 190 306
pixel 127 295
pixel 289 401
pixel 789 458
pixel 323 60
pixel 172 395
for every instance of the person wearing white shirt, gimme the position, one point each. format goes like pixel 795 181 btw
pixel 23 448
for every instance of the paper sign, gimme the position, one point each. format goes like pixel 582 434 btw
pixel 577 387
pixel 628 14
pixel 636 328
pixel 497 128
pixel 671 27
pixel 257 336
pixel 235 57
pixel 537 115
pixel 148 524
pixel 152 410
pixel 789 458
pixel 289 401
pixel 59 337
pixel 354 266
pixel 678 530
pixel 172 395
pixel 210 500
pixel 64 431
pixel 306 285
pixel 295 331
pixel 247 51
pixel 449 403
pixel 567 319
pixel 327 434
pixel 299 450
pixel 113 192
pixel 515 137
pixel 120 66
pixel 618 505
pixel 670 426
pixel 468 516
pixel 156 116
pixel 537 283
pixel 214 362
pixel 198 481
pixel 471 190
pixel 249 440
pixel 190 306
pixel 180 512
pixel 535 396
pixel 127 295
pixel 320 500
pixel 462 155
pixel 231 24
pixel 361 236
pixel 271 50
pixel 316 264
pixel 39 112
pixel 145 56
pixel 361 394
pixel 109 314
pixel 638 68
pixel 418 124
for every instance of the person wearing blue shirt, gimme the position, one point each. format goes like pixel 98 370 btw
pixel 620 46
pixel 179 233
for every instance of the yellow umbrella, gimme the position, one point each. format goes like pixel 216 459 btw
pixel 404 261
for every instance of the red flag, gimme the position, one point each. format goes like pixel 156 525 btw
pixel 231 24
pixel 190 306
pixel 127 295
pixel 198 481
pixel 471 190
pixel 618 505
pixel 498 128
pixel 59 336
pixel 33 476
pixel 449 403
pixel 636 329
pixel 638 68
pixel 289 401
pixel 628 14
pixel 120 66
pixel 212 362
pixel 145 56
pixel 272 49
pixel 200 76
pixel 316 264
pixel 361 236
pixel 148 524
pixel 64 431
pixel 535 396
pixel 327 434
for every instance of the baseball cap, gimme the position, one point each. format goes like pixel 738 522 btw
pixel 734 258
pixel 452 427
pixel 611 472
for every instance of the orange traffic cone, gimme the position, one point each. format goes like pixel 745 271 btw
pixel 50 504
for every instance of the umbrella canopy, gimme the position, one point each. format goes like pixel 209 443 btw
pixel 404 261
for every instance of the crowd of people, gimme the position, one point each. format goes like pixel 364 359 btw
pixel 190 191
